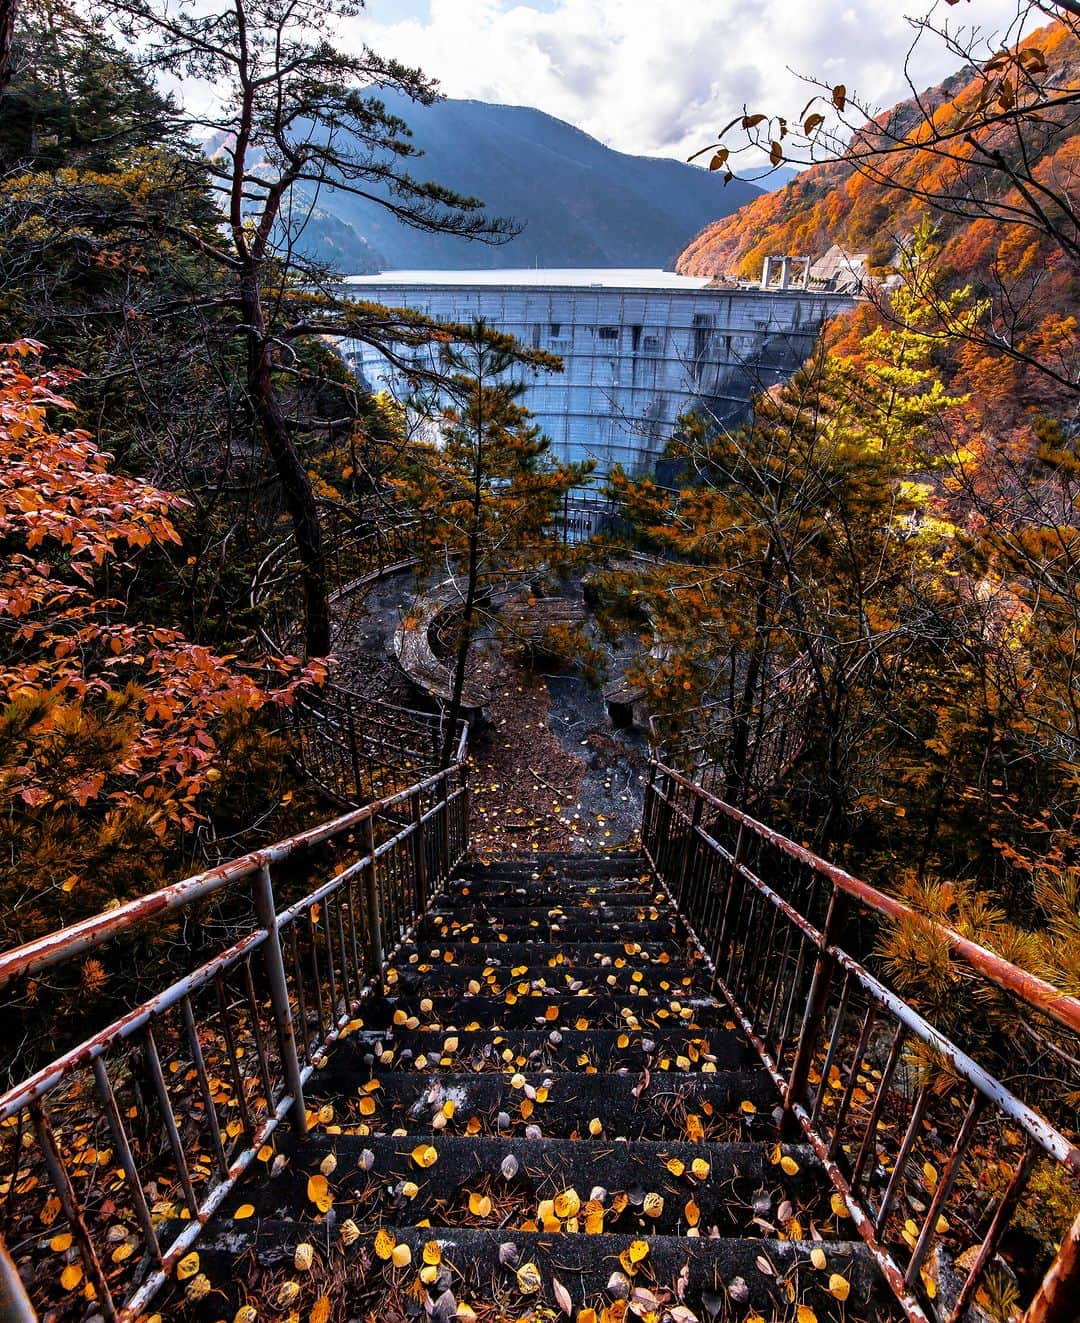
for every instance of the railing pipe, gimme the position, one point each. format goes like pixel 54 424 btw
pixel 1038 994
pixel 64 943
pixel 281 1007
pixel 15 1306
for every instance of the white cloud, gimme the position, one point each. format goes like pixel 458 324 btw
pixel 659 77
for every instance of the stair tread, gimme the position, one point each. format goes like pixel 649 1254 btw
pixel 559 1004
pixel 410 1100
pixel 583 1264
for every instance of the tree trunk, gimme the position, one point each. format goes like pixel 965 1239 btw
pixel 7 36
pixel 462 658
pixel 739 758
pixel 295 483
pixel 465 638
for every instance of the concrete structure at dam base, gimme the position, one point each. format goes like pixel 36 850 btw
pixel 639 348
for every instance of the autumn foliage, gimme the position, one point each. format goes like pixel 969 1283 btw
pixel 110 728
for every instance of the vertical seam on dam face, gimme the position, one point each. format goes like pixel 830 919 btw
pixel 635 358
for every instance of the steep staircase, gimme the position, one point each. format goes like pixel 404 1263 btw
pixel 543 1111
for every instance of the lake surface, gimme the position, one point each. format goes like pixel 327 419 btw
pixel 561 277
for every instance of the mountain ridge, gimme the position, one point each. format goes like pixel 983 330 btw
pixel 596 206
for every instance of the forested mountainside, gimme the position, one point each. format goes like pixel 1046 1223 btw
pixel 866 211
pixel 581 203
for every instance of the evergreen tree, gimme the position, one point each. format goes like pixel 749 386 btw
pixel 485 492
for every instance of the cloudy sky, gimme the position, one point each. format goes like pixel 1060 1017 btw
pixel 657 77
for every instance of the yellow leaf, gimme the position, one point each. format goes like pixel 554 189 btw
pixel 929 1172
pixel 638 1250
pixel 817 1257
pixel 479 1205
pixel 528 1279
pixel 318 1191
pixel 432 1253
pixel 653 1205
pixel 700 1169
pixel 567 1204
pixel 840 1209
pixel 748 1107
pixel 401 1256
pixel 367 1106
pixel 384 1243
pixel 244 1211
pixel 675 1166
pixel 61 1242
pixel 596 1126
pixel 71 1277
pixel 804 1314
pixel 693 1213
pixel 839 1286
pixel 424 1155
pixel 428 1274
pixel 188 1266
pixel 287 1294
pixel 789 1165
pixel 304 1255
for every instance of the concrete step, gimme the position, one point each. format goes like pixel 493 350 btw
pixel 687 1050
pixel 376 1179
pixel 720 1279
pixel 581 954
pixel 542 895
pixel 627 977
pixel 568 927
pixel 568 867
pixel 535 1010
pixel 624 1103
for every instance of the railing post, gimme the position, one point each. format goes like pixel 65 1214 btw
pixel 723 941
pixel 443 791
pixel 690 850
pixel 816 1000
pixel 266 913
pixel 15 1306
pixel 354 753
pixel 419 852
pixel 371 895
pixel 1055 1300
pixel 648 806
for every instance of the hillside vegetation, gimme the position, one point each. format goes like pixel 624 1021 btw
pixel 866 210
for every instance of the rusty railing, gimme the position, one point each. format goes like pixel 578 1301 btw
pixel 115 1154
pixel 933 1158
pixel 353 746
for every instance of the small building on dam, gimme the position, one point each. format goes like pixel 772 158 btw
pixel 639 348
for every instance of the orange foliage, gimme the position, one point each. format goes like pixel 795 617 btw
pixel 97 708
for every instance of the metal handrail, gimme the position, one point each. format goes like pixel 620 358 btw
pixel 350 744
pixel 857 1065
pixel 231 1039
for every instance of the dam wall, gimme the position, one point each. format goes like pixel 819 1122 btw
pixel 639 349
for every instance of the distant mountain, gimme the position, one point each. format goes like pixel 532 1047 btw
pixel 582 203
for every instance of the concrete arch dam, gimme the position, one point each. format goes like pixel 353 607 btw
pixel 639 348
